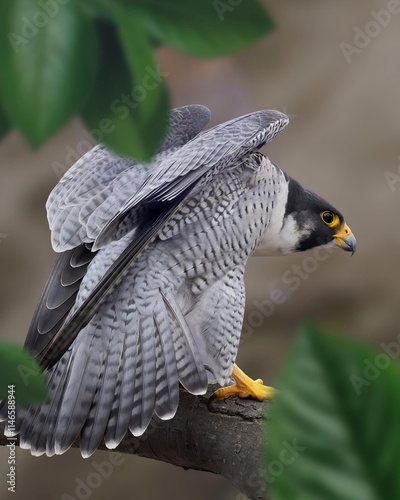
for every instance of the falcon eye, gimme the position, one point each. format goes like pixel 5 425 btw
pixel 329 218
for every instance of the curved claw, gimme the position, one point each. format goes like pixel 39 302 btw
pixel 211 400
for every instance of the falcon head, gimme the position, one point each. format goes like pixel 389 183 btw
pixel 301 221
pixel 309 221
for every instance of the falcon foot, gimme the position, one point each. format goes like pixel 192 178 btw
pixel 244 387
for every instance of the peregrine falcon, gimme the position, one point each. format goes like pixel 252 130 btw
pixel 147 291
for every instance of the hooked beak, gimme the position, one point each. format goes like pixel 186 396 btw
pixel 345 239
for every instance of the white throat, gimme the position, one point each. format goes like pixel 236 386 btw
pixel 283 233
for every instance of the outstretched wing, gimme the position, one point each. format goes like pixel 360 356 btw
pixel 171 184
pixel 89 177
pixel 79 205
pixel 125 365
pixel 206 155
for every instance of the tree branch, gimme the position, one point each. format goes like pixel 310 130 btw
pixel 226 440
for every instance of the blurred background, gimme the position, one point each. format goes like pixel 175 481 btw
pixel 344 106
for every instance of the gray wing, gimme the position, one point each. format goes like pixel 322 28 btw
pixel 124 366
pixel 58 296
pixel 207 155
pixel 89 176
pixel 80 204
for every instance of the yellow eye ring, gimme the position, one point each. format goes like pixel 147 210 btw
pixel 330 218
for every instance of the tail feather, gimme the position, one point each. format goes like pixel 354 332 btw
pixel 124 367
pixel 92 433
pixel 167 388
pixel 123 400
pixel 32 421
pixel 59 390
pixel 144 397
pixel 86 366
pixel 44 423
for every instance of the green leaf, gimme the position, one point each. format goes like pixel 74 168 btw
pixel 209 28
pixel 97 9
pixel 4 125
pixel 128 109
pixel 333 433
pixel 48 58
pixel 21 379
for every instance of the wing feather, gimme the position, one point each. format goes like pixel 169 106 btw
pixel 58 296
pixel 207 155
pixel 77 207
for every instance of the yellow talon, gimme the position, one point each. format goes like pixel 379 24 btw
pixel 244 387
